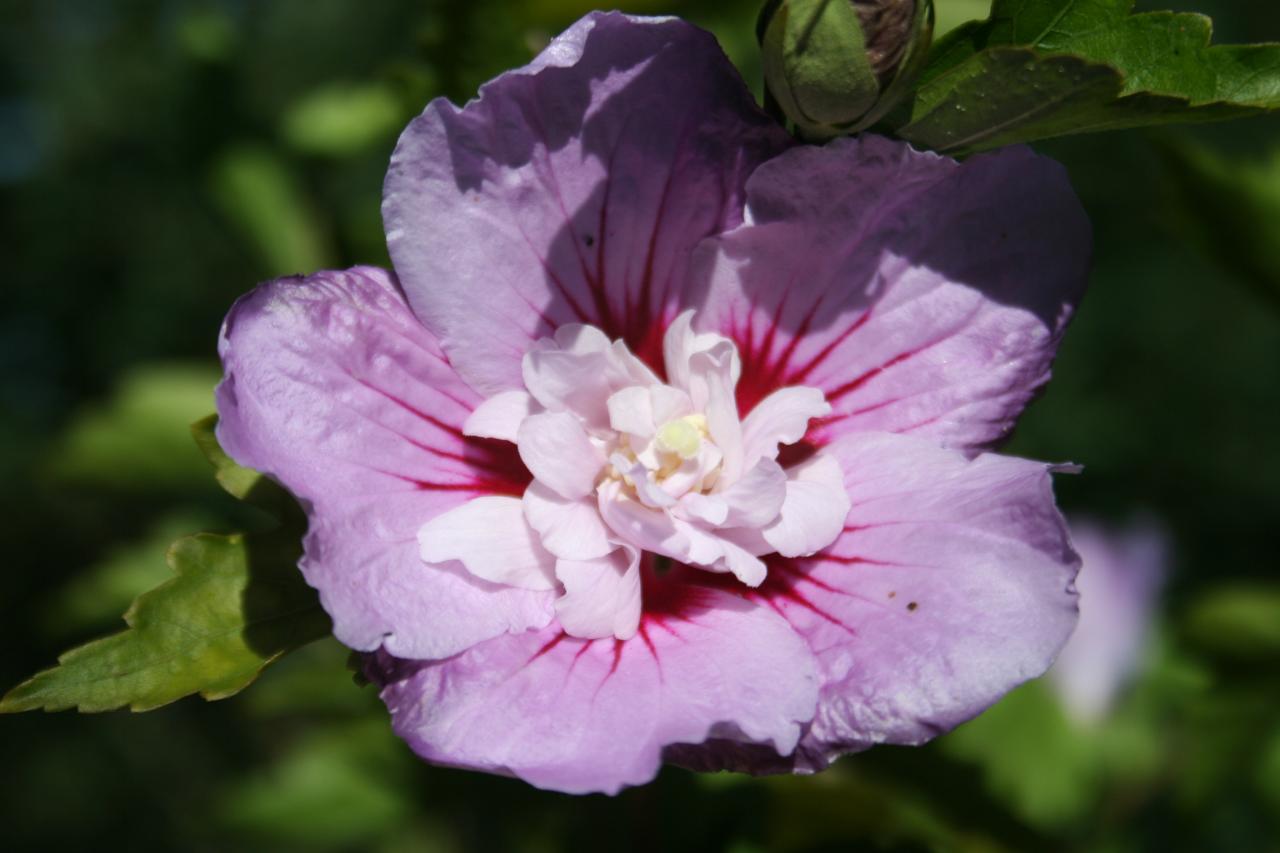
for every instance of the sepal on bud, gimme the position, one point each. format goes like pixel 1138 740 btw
pixel 834 67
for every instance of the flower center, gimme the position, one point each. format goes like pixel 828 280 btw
pixel 682 437
pixel 624 463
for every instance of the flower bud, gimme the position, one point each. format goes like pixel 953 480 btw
pixel 838 66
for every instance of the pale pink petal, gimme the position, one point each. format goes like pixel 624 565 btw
pixel 756 498
pixel 569 529
pixel 781 418
pixel 814 510
pixel 334 389
pixel 692 473
pixel 648 529
pixel 710 509
pixel 492 540
pixel 558 452
pixel 580 716
pixel 500 416
pixel 681 343
pixel 601 596
pixel 631 411
pixel 572 191
pixel 650 492
pixel 563 381
pixel 669 403
pixel 918 294
pixel 581 339
pixel 711 389
pixel 707 549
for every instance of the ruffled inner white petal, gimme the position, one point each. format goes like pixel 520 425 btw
pixel 570 529
pixel 601 596
pixel 500 416
pixel 814 511
pixel 468 534
pixel 625 464
pixel 559 453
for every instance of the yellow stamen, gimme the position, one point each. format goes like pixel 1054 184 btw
pixel 680 437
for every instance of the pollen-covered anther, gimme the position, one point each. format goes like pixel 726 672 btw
pixel 682 437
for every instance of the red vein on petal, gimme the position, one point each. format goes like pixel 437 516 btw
pixel 582 650
pixel 798 376
pixel 653 651
pixel 617 657
pixel 856 383
pixel 780 586
pixel 548 646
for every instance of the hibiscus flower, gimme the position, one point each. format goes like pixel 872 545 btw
pixel 1121 577
pixel 666 439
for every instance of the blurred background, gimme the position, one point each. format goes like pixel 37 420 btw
pixel 159 157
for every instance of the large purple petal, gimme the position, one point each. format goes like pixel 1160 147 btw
pixel 956 576
pixel 579 716
pixel 572 190
pixel 336 390
pixel 951 584
pixel 921 295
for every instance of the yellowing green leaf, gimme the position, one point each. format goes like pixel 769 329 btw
pixel 240 482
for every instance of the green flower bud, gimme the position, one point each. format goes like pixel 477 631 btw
pixel 837 66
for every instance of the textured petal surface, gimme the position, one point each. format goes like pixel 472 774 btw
pixel 500 416
pixel 572 190
pixel 569 528
pixel 559 453
pixel 492 540
pixel 920 295
pixel 781 418
pixel 601 596
pixel 951 584
pixel 814 509
pixel 334 389
pixel 582 716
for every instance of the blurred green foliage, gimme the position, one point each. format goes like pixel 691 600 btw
pixel 158 157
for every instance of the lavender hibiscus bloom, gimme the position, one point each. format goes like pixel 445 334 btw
pixel 1121 577
pixel 666 439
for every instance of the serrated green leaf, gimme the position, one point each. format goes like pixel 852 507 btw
pixel 954 13
pixel 240 482
pixel 1041 68
pixel 237 604
pixel 94 598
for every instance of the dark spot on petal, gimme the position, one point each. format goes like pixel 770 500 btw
pixel 911 605
pixel 589 240
pixel 892 593
pixel 662 565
